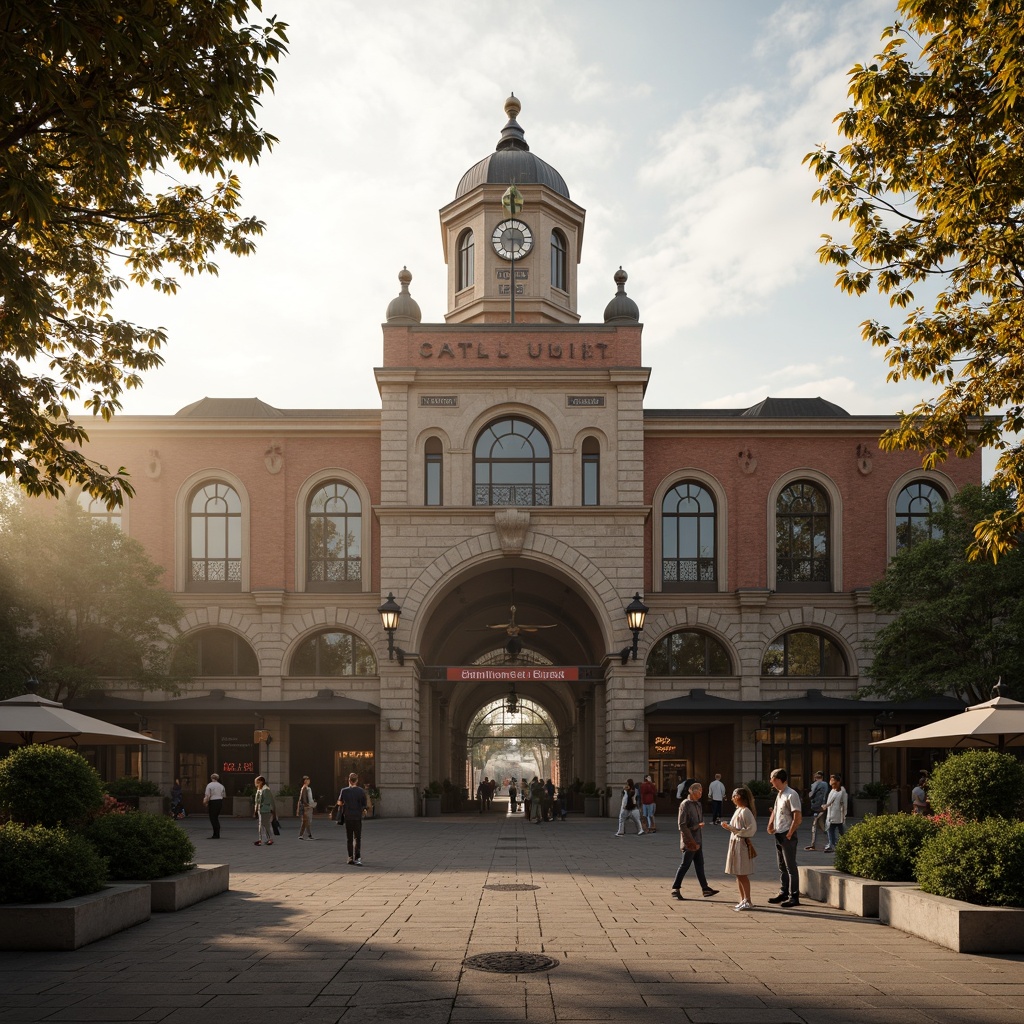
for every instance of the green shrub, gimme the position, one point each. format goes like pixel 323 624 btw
pixel 141 846
pixel 980 862
pixel 978 784
pixel 44 785
pixel 45 865
pixel 131 786
pixel 885 847
pixel 761 789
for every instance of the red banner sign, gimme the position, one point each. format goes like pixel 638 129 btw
pixel 508 674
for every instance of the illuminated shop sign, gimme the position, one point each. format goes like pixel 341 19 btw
pixel 664 746
pixel 531 674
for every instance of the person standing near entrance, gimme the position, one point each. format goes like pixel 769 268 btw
pixel 513 793
pixel 352 801
pixel 214 800
pixel 306 803
pixel 783 823
pixel 717 793
pixel 818 795
pixel 835 811
pixel 263 811
pixel 648 796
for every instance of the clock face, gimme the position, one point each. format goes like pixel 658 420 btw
pixel 512 238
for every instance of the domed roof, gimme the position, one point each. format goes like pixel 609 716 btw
pixel 512 162
pixel 403 308
pixel 622 307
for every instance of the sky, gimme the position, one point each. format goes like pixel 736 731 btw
pixel 679 126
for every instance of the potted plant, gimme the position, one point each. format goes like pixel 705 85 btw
pixel 373 800
pixel 877 795
pixel 141 794
pixel 432 800
pixel 763 793
pixel 285 797
pixel 591 801
pixel 241 803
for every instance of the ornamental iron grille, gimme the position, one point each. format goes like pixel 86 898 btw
pixel 334 538
pixel 688 653
pixel 688 538
pixel 802 546
pixel 215 525
pixel 512 465
pixel 916 507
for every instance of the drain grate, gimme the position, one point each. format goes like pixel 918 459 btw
pixel 511 962
pixel 511 887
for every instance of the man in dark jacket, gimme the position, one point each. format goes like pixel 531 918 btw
pixel 352 801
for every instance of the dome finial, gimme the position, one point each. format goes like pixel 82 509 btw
pixel 512 135
pixel 403 308
pixel 622 307
pixel 512 106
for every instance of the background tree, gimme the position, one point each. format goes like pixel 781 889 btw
pixel 100 102
pixel 931 186
pixel 959 623
pixel 87 605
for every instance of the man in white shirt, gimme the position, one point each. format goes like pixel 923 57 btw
pixel 214 800
pixel 717 793
pixel 783 824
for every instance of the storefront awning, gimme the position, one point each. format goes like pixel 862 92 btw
pixel 699 701
pixel 215 700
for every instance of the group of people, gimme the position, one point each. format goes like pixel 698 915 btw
pixel 485 793
pixel 352 805
pixel 538 798
pixel 638 806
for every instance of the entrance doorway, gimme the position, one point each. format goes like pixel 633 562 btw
pixel 511 739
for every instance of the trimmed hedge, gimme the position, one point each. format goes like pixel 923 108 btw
pixel 46 865
pixel 884 848
pixel 979 862
pixel 978 784
pixel 131 786
pixel 141 846
pixel 44 785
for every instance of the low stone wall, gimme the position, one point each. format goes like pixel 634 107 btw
pixel 178 891
pixel 838 889
pixel 73 923
pixel 962 927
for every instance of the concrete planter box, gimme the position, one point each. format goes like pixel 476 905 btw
pixel 241 806
pixel 73 923
pixel 152 804
pixel 177 891
pixel 845 892
pixel 962 927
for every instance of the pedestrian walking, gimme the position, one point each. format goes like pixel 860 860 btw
pixel 352 804
pixel 513 793
pixel 629 809
pixel 691 828
pixel 739 858
pixel 648 795
pixel 214 800
pixel 817 795
pixel 717 793
pixel 836 808
pixel 306 804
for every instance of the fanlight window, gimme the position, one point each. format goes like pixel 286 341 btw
pixel 803 653
pixel 333 653
pixel 512 465
pixel 688 538
pixel 334 538
pixel 688 653
pixel 802 546
pixel 215 519
pixel 217 652
pixel 916 507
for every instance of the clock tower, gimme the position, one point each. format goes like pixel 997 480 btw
pixel 489 251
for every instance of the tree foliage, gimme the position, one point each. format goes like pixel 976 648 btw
pixel 959 624
pixel 87 602
pixel 931 188
pixel 119 126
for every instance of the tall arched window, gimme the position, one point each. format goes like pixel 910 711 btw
pixel 334 538
pixel 465 249
pixel 802 545
pixel 216 652
pixel 96 509
pixel 433 476
pixel 512 465
pixel 558 269
pixel 688 538
pixel 215 539
pixel 333 652
pixel 803 653
pixel 916 506
pixel 591 471
pixel 688 653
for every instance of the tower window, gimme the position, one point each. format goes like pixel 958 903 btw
pixel 558 250
pixel 465 248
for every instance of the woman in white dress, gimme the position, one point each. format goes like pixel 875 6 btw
pixel 738 861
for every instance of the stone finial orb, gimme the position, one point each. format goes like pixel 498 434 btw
pixel 403 308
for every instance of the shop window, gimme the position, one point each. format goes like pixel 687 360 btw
pixel 465 249
pixel 688 653
pixel 216 652
pixel 334 538
pixel 916 506
pixel 803 653
pixel 802 541
pixel 333 653
pixel 688 528
pixel 433 477
pixel 215 539
pixel 558 265
pixel 512 465
pixel 803 750
pixel 591 471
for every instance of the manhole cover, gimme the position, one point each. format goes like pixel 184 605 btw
pixel 511 887
pixel 512 962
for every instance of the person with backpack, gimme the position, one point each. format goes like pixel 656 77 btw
pixel 818 795
pixel 630 809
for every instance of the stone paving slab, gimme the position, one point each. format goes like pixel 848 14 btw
pixel 303 938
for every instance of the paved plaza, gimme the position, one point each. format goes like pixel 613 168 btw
pixel 302 937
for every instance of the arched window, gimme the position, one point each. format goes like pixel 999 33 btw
pixel 215 539
pixel 688 538
pixel 803 653
pixel 688 653
pixel 97 510
pixel 802 546
pixel 433 477
pixel 465 249
pixel 334 538
pixel 558 250
pixel 512 465
pixel 333 652
pixel 916 506
pixel 216 652
pixel 591 471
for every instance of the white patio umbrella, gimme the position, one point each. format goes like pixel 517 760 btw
pixel 32 719
pixel 996 724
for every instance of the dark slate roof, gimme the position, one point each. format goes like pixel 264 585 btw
pixel 813 701
pixel 769 409
pixel 256 409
